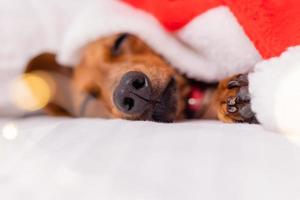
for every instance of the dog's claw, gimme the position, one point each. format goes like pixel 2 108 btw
pixel 231 101
pixel 232 109
pixel 233 84
pixel 239 81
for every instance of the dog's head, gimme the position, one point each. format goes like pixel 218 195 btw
pixel 122 76
pixel 132 81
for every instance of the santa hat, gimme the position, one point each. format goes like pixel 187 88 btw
pixel 194 45
pixel 210 40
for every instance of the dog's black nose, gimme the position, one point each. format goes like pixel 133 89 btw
pixel 133 93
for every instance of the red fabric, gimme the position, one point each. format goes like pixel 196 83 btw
pixel 195 99
pixel 174 14
pixel 272 25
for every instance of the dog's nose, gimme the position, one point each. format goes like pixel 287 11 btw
pixel 133 93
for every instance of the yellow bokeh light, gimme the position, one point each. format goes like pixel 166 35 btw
pixel 10 131
pixel 31 92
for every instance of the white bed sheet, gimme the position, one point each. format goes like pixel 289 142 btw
pixel 88 159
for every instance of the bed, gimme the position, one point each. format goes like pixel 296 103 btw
pixel 61 158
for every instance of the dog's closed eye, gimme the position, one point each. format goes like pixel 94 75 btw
pixel 116 49
pixel 94 92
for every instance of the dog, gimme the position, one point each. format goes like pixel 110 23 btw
pixel 120 76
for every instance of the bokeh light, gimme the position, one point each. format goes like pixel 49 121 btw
pixel 10 131
pixel 32 92
pixel 287 106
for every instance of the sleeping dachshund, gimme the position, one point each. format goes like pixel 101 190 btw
pixel 120 76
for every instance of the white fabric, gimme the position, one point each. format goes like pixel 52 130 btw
pixel 27 28
pixel 275 93
pixel 102 19
pixel 219 38
pixel 67 159
pixel 201 43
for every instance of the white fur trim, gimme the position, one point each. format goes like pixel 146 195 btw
pixel 105 18
pixel 219 38
pixel 274 87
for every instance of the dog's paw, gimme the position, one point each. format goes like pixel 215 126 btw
pixel 235 101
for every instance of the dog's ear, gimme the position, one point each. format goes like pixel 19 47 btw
pixel 67 98
pixel 47 62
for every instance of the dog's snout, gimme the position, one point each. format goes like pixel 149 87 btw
pixel 133 93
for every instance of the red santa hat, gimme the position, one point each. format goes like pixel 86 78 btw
pixel 193 44
pixel 209 40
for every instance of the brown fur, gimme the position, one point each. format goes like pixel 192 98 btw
pixel 100 71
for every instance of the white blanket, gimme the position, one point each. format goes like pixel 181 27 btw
pixel 66 159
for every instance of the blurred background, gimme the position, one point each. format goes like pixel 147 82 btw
pixel 27 28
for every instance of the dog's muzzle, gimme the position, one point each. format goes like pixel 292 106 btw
pixel 134 96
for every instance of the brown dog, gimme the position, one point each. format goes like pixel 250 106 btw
pixel 122 77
